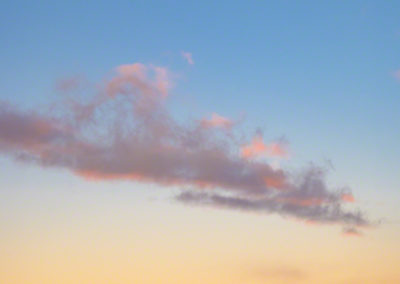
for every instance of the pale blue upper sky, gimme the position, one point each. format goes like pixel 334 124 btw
pixel 318 72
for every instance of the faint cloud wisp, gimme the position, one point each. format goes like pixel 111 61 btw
pixel 188 57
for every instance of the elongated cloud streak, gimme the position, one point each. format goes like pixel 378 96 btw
pixel 125 132
pixel 309 200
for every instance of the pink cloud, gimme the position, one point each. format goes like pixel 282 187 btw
pixel 163 81
pixel 151 81
pixel 188 57
pixel 217 120
pixel 137 69
pixel 258 148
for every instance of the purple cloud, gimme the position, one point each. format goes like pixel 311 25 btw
pixel 124 131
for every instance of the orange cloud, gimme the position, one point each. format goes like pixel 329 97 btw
pixel 348 197
pixel 92 175
pixel 95 176
pixel 275 182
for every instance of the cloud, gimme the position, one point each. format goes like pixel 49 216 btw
pixel 257 148
pixel 188 57
pixel 69 84
pixel 125 132
pixel 217 121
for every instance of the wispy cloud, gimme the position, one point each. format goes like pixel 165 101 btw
pixel 69 84
pixel 124 131
pixel 217 120
pixel 188 57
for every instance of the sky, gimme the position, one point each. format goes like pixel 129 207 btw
pixel 199 142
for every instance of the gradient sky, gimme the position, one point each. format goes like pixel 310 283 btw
pixel 317 82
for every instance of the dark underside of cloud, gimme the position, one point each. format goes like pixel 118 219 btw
pixel 124 131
